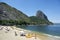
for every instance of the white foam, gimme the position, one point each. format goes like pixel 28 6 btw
pixel 52 36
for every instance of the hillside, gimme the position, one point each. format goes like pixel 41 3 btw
pixel 9 13
pixel 11 16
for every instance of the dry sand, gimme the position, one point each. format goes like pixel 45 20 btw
pixel 10 35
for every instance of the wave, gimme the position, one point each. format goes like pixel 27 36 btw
pixel 47 35
pixel 52 36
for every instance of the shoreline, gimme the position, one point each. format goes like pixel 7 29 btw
pixel 40 32
pixel 44 36
pixel 41 36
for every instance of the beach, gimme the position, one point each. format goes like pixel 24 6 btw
pixel 10 34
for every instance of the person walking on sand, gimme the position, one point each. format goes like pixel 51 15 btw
pixel 15 33
pixel 35 36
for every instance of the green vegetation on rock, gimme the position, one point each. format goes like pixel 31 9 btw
pixel 11 16
pixel 40 18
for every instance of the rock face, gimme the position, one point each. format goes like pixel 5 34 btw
pixel 40 18
pixel 41 15
pixel 9 13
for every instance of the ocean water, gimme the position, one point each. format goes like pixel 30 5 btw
pixel 53 30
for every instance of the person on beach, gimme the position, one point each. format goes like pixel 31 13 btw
pixel 7 29
pixel 1 28
pixel 22 33
pixel 35 36
pixel 15 33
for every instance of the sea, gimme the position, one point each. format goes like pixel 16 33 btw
pixel 51 30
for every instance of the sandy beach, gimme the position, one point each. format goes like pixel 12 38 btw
pixel 10 35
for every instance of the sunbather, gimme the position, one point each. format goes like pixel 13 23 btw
pixel 29 35
pixel 1 28
pixel 22 33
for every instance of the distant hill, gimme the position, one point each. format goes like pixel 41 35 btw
pixel 11 16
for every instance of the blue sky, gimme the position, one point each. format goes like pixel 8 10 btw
pixel 50 7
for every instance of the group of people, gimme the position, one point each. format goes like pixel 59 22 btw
pixel 22 32
pixel 27 35
pixel 4 28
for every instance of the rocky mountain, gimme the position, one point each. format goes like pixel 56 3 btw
pixel 40 18
pixel 41 15
pixel 10 15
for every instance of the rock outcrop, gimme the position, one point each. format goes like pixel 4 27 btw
pixel 40 18
pixel 41 15
pixel 9 13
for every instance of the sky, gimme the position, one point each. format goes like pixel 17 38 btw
pixel 51 8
